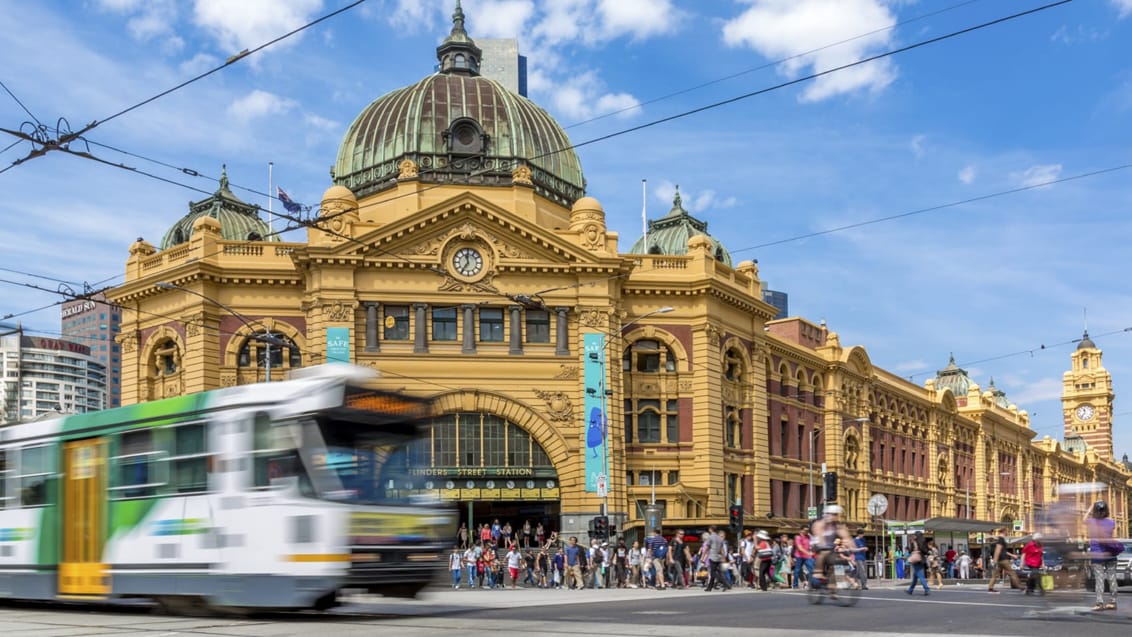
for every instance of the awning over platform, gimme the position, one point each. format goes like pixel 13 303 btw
pixel 944 525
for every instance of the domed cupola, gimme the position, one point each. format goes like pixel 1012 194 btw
pixel 670 234
pixel 456 127
pixel 239 221
pixel 1086 342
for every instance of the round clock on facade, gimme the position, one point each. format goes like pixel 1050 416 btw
pixel 467 262
pixel 1085 412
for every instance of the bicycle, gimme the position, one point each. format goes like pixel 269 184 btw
pixel 837 585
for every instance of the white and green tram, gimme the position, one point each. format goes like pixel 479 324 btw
pixel 274 495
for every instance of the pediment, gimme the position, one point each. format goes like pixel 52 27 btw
pixel 426 236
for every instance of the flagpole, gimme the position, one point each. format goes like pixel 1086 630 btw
pixel 644 218
pixel 270 198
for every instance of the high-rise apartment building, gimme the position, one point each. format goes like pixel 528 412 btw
pixel 95 323
pixel 47 375
pixel 501 62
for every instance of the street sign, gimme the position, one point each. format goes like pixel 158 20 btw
pixel 602 487
pixel 878 504
pixel 1019 525
pixel 812 513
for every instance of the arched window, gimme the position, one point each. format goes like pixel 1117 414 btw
pixel 461 61
pixel 648 356
pixel 166 359
pixel 280 347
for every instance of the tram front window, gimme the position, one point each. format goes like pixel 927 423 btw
pixel 350 462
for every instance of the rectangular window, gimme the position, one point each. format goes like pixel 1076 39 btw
pixel 470 439
pixel 396 322
pixel 5 478
pixel 444 441
pixel 188 460
pixel 518 447
pixel 266 446
pixel 672 421
pixel 538 326
pixel 34 472
pixel 138 464
pixel 494 449
pixel 628 414
pixel 648 421
pixel 491 325
pixel 444 324
pixel 673 477
pixel 783 438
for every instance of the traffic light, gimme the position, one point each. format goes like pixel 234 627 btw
pixel 829 486
pixel 735 518
pixel 601 527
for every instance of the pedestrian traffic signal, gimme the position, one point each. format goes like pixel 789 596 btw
pixel 601 527
pixel 829 486
pixel 735 518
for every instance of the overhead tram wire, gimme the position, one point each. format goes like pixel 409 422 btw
pixel 195 173
pixel 670 118
pixel 770 64
pixel 953 204
pixel 769 89
pixel 26 110
pixel 61 142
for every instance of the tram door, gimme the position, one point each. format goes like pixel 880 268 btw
pixel 81 570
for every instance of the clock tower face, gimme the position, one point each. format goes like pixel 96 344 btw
pixel 1085 412
pixel 467 262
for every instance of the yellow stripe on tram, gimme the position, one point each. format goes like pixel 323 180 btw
pixel 317 557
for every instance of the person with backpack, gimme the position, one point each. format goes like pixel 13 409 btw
pixel 658 548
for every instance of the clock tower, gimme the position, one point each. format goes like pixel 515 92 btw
pixel 1086 399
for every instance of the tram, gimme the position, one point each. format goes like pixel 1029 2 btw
pixel 268 496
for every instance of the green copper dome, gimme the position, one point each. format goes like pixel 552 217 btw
pixel 670 234
pixel 239 221
pixel 458 127
pixel 953 377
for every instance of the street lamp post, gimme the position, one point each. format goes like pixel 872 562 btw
pixel 605 406
pixel 266 338
pixel 813 436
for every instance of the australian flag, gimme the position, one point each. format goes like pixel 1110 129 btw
pixel 289 203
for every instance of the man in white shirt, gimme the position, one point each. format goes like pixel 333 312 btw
pixel 514 559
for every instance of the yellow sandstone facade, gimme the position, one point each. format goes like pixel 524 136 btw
pixel 469 267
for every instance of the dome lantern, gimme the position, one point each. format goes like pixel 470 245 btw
pixel 239 221
pixel 458 54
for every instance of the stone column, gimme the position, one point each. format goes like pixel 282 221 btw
pixel 562 340
pixel 516 329
pixel 469 328
pixel 420 328
pixel 372 343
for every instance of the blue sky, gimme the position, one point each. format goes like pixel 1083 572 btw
pixel 1043 97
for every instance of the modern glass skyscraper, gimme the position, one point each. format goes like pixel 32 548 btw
pixel 95 323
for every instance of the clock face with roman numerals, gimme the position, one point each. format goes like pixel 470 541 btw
pixel 467 262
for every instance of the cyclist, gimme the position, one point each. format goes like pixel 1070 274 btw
pixel 826 529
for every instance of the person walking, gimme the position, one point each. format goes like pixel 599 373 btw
pixel 1102 553
pixel 803 558
pixel 658 552
pixel 1002 563
pixel 456 565
pixel 917 552
pixel 861 557
pixel 935 565
pixel 964 562
pixel 1032 562
pixel 715 548
pixel 574 556
pixel 764 553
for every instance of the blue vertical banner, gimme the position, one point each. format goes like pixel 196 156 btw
pixel 337 345
pixel 595 409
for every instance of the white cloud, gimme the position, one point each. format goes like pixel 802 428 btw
pixel 319 122
pixel 149 20
pixel 1068 35
pixel 1034 391
pixel 785 29
pixel 1123 7
pixel 259 103
pixel 1036 175
pixel 243 25
pixel 582 97
pixel 967 174
pixel 637 18
pixel 917 145
pixel 502 19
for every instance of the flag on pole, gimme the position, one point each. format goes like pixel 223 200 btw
pixel 289 203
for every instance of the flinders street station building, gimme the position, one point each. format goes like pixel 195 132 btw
pixel 457 252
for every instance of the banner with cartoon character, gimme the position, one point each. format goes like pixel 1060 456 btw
pixel 594 408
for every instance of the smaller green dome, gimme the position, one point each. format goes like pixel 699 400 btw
pixel 954 378
pixel 670 234
pixel 239 221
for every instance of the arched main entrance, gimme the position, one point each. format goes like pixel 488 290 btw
pixel 492 467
